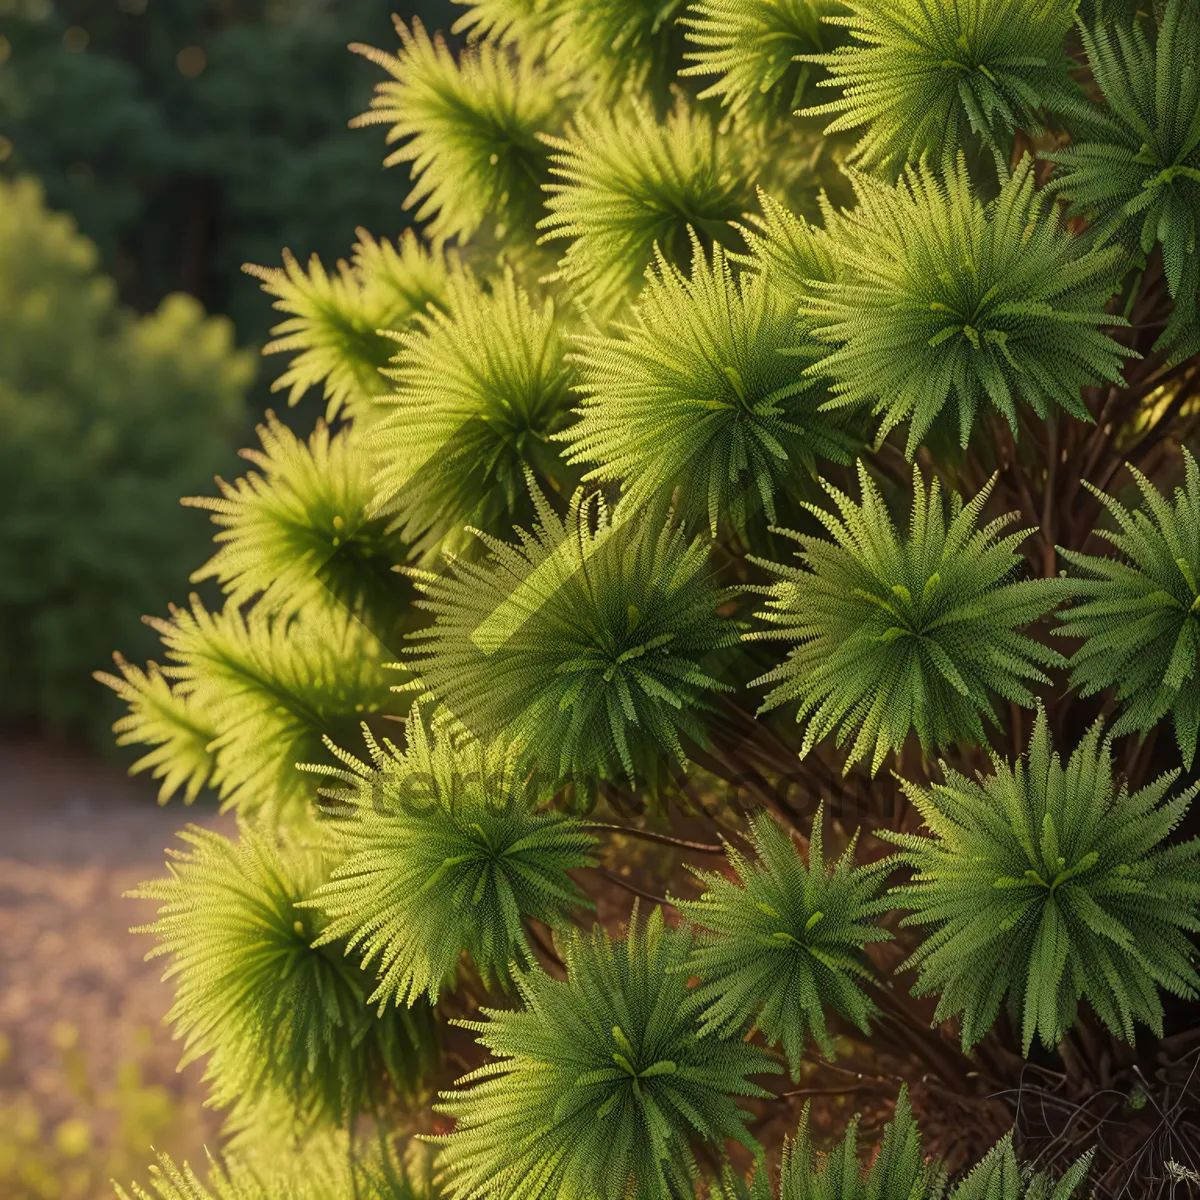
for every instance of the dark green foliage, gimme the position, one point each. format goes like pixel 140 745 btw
pixel 477 396
pixel 943 75
pixel 1138 180
pixel 587 642
pixel 944 304
pixel 271 1012
pixel 892 632
pixel 444 852
pixel 898 1172
pixel 105 419
pixel 626 182
pixel 704 391
pixel 295 533
pixel 1001 1177
pixel 339 322
pixel 470 130
pixel 1139 614
pixel 601 1082
pixel 785 940
pixel 1045 884
pixel 179 178
pixel 752 47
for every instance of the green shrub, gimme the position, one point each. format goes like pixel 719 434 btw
pixel 107 420
pixel 621 303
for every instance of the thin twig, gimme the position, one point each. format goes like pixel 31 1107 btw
pixel 629 887
pixel 650 836
pixel 832 1091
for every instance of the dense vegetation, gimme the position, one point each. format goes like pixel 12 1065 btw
pixel 107 417
pixel 189 136
pixel 640 691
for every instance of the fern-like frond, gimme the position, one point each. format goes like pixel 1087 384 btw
pixel 322 1169
pixel 944 303
pixel 296 531
pixel 470 130
pixel 271 689
pixel 477 397
pixel 617 47
pixel 752 46
pixel 1043 884
pixel 271 1012
pixel 587 642
pixel 164 718
pixel 1139 614
pixel 336 321
pixel 443 851
pixel 1000 1176
pixel 785 940
pixel 706 392
pixel 893 631
pixel 940 76
pixel 898 1172
pixel 1139 181
pixel 626 182
pixel 733 1184
pixel 601 1085
pixel 529 24
pixel 223 1182
pixel 791 254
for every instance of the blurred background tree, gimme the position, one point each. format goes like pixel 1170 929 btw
pixel 191 136
pixel 106 416
pixel 185 138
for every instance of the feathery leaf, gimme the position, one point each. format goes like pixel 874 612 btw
pixel 706 392
pixel 626 183
pixel 601 1084
pixel 271 689
pixel 469 128
pixel 1139 614
pixel 892 632
pixel 1043 884
pixel 785 941
pixel 941 76
pixel 296 532
pixel 942 302
pixel 163 718
pixel 272 1012
pixel 752 46
pixel 587 646
pixel 443 850
pixel 477 396
pixel 1139 181
pixel 336 321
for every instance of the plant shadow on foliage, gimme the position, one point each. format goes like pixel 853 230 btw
pixel 562 693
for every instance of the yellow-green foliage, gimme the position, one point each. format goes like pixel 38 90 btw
pixel 667 282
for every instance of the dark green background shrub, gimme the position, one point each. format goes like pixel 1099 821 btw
pixel 106 419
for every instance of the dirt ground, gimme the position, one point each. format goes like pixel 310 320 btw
pixel 88 1077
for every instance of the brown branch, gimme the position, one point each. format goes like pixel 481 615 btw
pixel 650 836
pixel 831 1091
pixel 629 887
